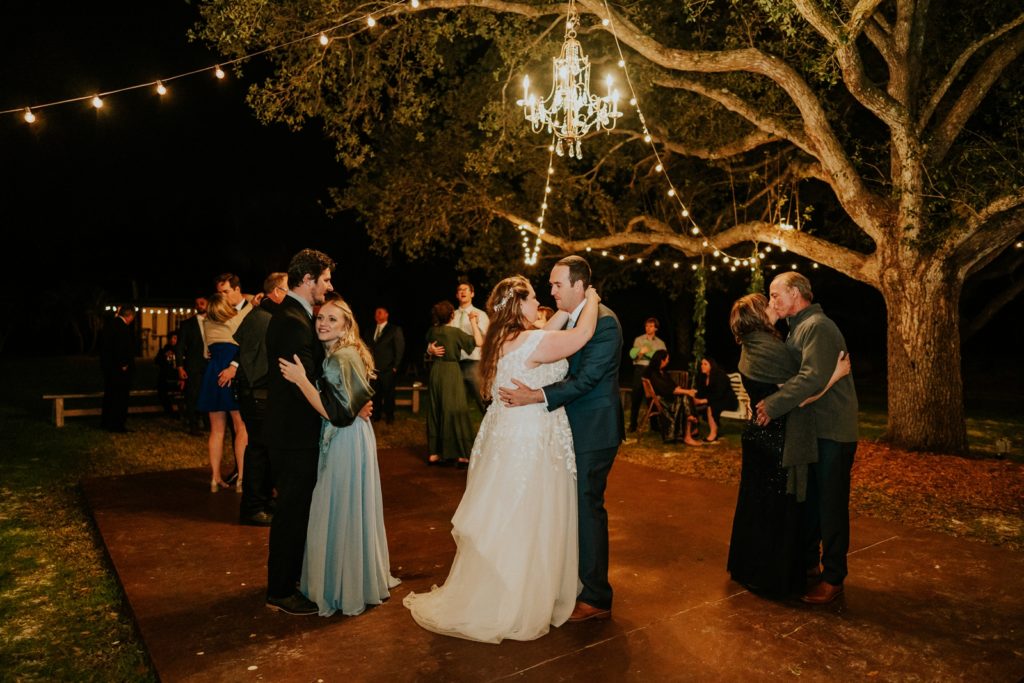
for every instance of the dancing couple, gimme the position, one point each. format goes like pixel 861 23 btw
pixel 531 529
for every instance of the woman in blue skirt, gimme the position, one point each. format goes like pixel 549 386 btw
pixel 216 395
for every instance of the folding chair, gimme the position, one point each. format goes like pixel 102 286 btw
pixel 652 409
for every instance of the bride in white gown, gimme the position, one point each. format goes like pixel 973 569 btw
pixel 515 570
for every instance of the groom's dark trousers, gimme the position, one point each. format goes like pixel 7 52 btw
pixel 590 394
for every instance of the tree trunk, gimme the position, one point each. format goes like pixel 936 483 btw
pixel 925 386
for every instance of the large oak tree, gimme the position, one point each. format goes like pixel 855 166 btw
pixel 898 121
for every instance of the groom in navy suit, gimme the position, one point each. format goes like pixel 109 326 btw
pixel 590 394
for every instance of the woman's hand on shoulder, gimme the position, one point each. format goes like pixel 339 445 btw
pixel 591 294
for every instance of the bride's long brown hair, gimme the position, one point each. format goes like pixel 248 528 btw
pixel 504 309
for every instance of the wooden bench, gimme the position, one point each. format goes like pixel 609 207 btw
pixel 414 396
pixel 61 411
pixel 742 411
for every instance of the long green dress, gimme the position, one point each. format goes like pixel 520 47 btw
pixel 450 431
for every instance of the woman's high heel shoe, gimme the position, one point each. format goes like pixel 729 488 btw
pixel 217 485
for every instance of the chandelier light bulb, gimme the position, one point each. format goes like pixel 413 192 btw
pixel 324 39
pixel 161 89
pixel 218 72
pixel 97 102
pixel 29 116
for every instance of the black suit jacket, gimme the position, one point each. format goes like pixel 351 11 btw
pixel 292 423
pixel 251 336
pixel 191 352
pixel 389 349
pixel 117 354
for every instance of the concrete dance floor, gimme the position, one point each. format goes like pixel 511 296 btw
pixel 918 605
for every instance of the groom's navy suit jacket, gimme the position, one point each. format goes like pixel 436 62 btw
pixel 590 392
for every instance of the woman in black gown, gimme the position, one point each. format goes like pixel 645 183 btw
pixel 764 549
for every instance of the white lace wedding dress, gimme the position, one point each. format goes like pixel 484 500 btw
pixel 515 570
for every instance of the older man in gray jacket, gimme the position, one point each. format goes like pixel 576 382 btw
pixel 817 341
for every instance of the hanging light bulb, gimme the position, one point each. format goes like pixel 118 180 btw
pixel 218 72
pixel 97 102
pixel 415 4
pixel 161 89
pixel 29 116
pixel 324 39
pixel 371 22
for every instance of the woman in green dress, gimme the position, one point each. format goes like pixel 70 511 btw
pixel 449 425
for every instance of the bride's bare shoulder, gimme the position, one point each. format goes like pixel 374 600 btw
pixel 520 339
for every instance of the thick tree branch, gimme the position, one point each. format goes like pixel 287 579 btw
pixel 768 124
pixel 858 266
pixel 958 66
pixel 987 234
pixel 947 130
pixel 860 17
pixel 751 140
pixel 873 98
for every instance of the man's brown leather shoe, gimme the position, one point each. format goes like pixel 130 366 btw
pixel 823 593
pixel 585 612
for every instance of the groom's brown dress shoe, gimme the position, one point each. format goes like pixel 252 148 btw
pixel 585 612
pixel 823 593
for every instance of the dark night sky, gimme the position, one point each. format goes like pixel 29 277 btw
pixel 167 192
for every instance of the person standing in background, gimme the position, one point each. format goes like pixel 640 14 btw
pixel 643 349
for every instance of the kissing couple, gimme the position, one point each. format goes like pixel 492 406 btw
pixel 531 530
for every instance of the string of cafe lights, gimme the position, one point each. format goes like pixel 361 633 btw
pixel 96 100
pixel 530 257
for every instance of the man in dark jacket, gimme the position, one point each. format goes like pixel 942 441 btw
pixel 292 428
pixel 117 360
pixel 191 357
pixel 388 347
pixel 249 373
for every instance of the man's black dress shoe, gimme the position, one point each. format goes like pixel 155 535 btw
pixel 296 603
pixel 261 518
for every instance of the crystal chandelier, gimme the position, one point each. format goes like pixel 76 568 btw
pixel 570 111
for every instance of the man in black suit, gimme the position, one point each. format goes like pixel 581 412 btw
pixel 191 359
pixel 388 347
pixel 117 360
pixel 292 427
pixel 250 378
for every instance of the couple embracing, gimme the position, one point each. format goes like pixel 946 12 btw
pixel 531 530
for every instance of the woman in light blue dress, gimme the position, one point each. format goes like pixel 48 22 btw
pixel 346 566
